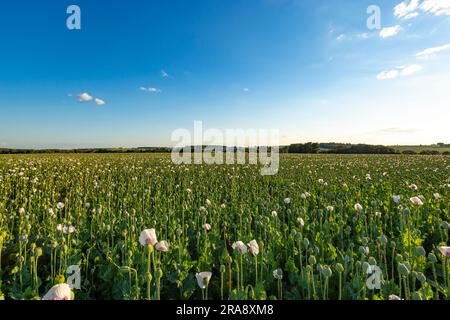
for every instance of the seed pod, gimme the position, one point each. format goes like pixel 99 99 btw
pixel 383 240
pixel 326 271
pixel 402 269
pixel 419 252
pixel 421 277
pixel 432 258
pixel 312 260
pixel 365 266
pixel 339 268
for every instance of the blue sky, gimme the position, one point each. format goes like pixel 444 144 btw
pixel 310 68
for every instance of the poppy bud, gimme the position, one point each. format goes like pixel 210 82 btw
pixel 419 252
pixel 432 258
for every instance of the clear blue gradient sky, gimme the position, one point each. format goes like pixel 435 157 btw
pixel 310 68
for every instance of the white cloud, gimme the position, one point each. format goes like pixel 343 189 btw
pixel 150 89
pixel 385 75
pixel 403 71
pixel 390 31
pixel 84 97
pixel 246 89
pixel 358 36
pixel 436 7
pixel 99 102
pixel 411 15
pixel 364 35
pixel 411 69
pixel 430 51
pixel 406 9
pixel 164 74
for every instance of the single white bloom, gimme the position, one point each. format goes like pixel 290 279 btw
pixel 274 214
pixel 413 186
pixel 240 246
pixel 301 222
pixel 436 196
pixel 223 206
pixel 207 226
pixel 287 200
pixel 253 247
pixel 208 202
pixel 148 237
pixel 396 199
pixel 203 279
pixel 21 210
pixel 378 214
pixel 445 251
pixel 162 246
pixel 358 207
pixel 394 297
pixel 59 292
pixel 60 205
pixel 278 274
pixel 330 208
pixel 416 201
pixel 202 209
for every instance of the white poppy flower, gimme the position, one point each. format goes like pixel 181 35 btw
pixel 253 247
pixel 240 246
pixel 148 237
pixel 59 292
pixel 203 279
pixel 162 246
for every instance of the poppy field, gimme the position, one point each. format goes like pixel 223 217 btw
pixel 137 226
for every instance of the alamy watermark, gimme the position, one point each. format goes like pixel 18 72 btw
pixel 73 22
pixel 374 19
pixel 229 146
pixel 374 274
pixel 74 277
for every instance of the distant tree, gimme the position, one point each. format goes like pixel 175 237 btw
pixel 430 152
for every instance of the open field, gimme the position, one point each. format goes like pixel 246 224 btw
pixel 319 224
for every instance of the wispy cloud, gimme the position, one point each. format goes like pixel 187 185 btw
pixel 149 89
pixel 407 9
pixel 164 74
pixel 246 89
pixel 399 72
pixel 395 130
pixel 390 31
pixel 358 36
pixel 436 7
pixel 430 51
pixel 99 102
